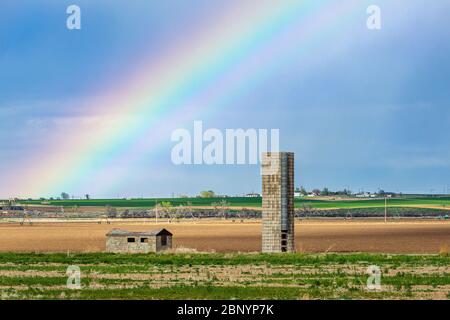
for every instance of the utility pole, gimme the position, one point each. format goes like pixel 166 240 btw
pixel 156 211
pixel 385 209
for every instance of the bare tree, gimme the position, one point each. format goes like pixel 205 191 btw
pixel 168 210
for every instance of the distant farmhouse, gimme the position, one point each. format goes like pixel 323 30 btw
pixel 252 195
pixel 298 194
pixel 365 195
pixel 375 195
pixel 122 241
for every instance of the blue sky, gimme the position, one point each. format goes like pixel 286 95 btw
pixel 366 110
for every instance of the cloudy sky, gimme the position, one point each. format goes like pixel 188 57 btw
pixel 92 110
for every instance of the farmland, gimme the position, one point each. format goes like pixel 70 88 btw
pixel 317 203
pixel 223 276
pixel 219 258
pixel 312 235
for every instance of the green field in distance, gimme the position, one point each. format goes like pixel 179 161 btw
pixel 316 203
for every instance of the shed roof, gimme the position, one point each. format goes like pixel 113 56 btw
pixel 125 233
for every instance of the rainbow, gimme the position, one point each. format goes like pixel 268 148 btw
pixel 212 66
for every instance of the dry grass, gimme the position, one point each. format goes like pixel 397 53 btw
pixel 444 251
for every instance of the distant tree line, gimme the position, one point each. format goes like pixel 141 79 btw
pixel 324 192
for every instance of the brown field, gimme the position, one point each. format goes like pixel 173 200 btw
pixel 414 236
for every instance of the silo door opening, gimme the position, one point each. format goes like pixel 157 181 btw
pixel 283 240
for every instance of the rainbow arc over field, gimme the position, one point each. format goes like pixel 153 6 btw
pixel 210 67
